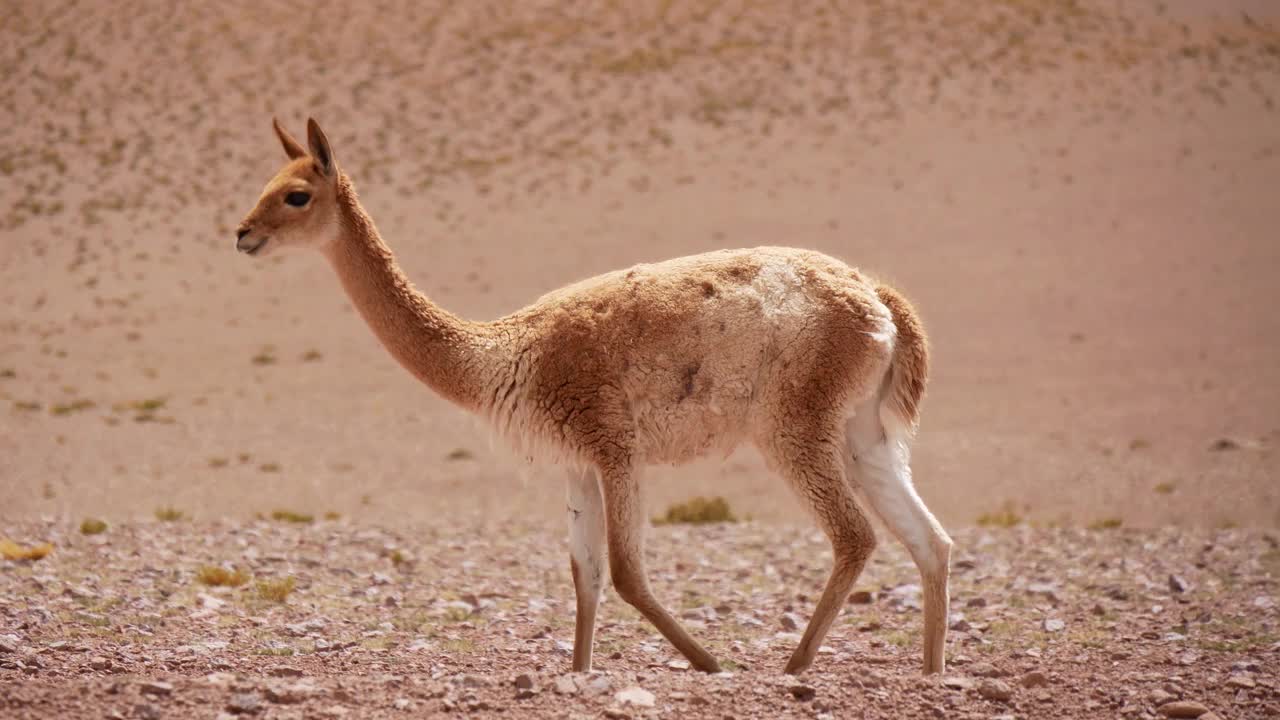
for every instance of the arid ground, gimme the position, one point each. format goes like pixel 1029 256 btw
pixel 1082 199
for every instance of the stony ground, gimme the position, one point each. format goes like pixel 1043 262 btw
pixel 477 621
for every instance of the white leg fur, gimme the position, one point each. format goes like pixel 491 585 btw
pixel 587 560
pixel 880 467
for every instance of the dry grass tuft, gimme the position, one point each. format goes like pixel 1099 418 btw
pixel 698 511
pixel 11 550
pixel 170 514
pixel 217 576
pixel 291 516
pixel 92 526
pixel 1110 523
pixel 277 590
pixel 1005 517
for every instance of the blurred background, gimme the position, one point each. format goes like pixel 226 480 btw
pixel 1082 199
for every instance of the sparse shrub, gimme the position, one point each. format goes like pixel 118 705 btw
pixel 1005 517
pixel 291 516
pixel 277 590
pixel 11 550
pixel 1110 523
pixel 1165 488
pixel 170 514
pixel 698 511
pixel 333 515
pixel 218 576
pixel 72 407
pixel 92 526
pixel 269 467
pixel 459 454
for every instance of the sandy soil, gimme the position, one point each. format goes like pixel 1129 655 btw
pixel 1080 197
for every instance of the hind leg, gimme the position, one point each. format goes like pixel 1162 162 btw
pixel 586 559
pixel 810 460
pixel 879 464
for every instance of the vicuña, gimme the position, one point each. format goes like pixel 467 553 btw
pixel 816 364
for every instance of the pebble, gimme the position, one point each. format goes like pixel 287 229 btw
pixel 956 682
pixel 8 643
pixel 790 621
pixel 1241 681
pixel 291 694
pixel 1034 679
pixel 862 597
pixel 524 681
pixel 635 695
pixel 984 669
pixel 1177 584
pixel 97 662
pixel 992 689
pixel 1182 709
pixel 244 703
pixel 146 712
pixel 1054 625
pixel 803 693
pixel 155 687
pixel 564 685
pixel 402 703
pixel 284 671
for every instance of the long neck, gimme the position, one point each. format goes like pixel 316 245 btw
pixel 440 349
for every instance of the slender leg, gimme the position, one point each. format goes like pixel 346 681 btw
pixel 810 460
pixel 625 529
pixel 586 559
pixel 879 464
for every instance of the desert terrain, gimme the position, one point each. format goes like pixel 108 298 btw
pixel 1079 197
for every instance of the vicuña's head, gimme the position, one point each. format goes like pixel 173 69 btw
pixel 298 208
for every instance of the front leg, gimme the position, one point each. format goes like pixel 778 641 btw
pixel 586 559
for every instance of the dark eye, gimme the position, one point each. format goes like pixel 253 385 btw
pixel 297 199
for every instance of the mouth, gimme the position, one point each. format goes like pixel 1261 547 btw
pixel 253 250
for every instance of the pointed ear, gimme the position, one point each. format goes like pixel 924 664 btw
pixel 292 147
pixel 319 145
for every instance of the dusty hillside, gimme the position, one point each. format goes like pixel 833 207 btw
pixel 1081 202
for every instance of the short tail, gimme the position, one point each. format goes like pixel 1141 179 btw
pixel 910 366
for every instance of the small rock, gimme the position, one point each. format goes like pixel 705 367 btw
pixel 1177 584
pixel 1222 444
pixel 862 597
pixel 1098 610
pixel 524 681
pixel 790 621
pixel 1159 697
pixel 291 694
pixel 473 681
pixel 977 602
pixel 155 687
pixel 146 712
pixel 984 669
pixel 678 664
pixel 598 685
pixel 97 662
pixel 1054 625
pixel 9 643
pixel 992 689
pixel 244 703
pixel 284 671
pixel 1182 709
pixel 616 714
pixel 564 685
pixel 402 703
pixel 956 682
pixel 803 693
pixel 1034 679
pixel 635 695
pixel 1241 681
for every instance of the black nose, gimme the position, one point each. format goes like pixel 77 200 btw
pixel 241 233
